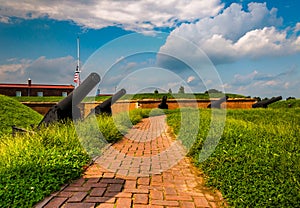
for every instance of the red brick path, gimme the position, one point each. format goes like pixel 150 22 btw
pixel 147 168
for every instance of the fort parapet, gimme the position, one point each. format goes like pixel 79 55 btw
pixel 125 105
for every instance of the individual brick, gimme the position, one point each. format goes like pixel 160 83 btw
pixel 140 198
pixel 55 202
pixel 123 203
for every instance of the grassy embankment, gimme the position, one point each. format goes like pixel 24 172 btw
pixel 33 165
pixel 293 103
pixel 257 161
pixel 132 97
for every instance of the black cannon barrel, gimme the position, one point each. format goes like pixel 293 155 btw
pixel 105 107
pixel 110 101
pixel 80 92
pixel 217 103
pixel 67 108
pixel 163 104
pixel 265 103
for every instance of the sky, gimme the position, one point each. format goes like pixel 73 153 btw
pixel 236 46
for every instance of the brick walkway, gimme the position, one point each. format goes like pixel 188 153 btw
pixel 147 168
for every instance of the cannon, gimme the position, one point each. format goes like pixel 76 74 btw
pixel 217 103
pixel 163 104
pixel 67 108
pixel 265 103
pixel 105 107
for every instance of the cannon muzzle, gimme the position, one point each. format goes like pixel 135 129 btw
pixel 163 104
pixel 105 107
pixel 265 103
pixel 217 103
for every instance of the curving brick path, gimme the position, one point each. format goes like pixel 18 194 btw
pixel 147 168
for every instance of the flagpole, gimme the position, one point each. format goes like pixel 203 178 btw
pixel 77 71
pixel 78 60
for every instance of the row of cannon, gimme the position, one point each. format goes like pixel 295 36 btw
pixel 217 103
pixel 67 108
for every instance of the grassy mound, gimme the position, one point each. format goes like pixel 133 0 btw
pixel 293 103
pixel 13 112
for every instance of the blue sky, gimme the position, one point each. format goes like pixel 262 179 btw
pixel 247 47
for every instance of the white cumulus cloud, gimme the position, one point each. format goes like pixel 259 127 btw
pixel 190 79
pixel 4 19
pixel 236 33
pixel 258 83
pixel 140 15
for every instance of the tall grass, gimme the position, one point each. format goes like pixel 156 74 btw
pixel 256 163
pixel 33 165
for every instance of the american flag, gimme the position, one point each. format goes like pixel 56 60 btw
pixel 76 77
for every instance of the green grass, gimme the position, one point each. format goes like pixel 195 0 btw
pixel 38 99
pixel 14 113
pixel 293 103
pixel 95 134
pixel 35 164
pixel 128 119
pixel 256 163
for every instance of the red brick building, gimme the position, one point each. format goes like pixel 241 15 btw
pixel 30 89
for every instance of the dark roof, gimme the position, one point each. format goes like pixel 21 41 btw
pixel 37 86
